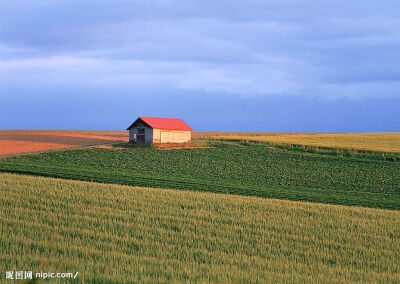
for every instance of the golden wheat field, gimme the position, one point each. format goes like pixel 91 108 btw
pixel 384 142
pixel 131 234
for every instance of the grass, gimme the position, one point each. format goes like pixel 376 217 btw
pixel 235 169
pixel 381 142
pixel 130 234
pixel 323 150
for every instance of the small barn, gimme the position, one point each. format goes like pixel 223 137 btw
pixel 159 130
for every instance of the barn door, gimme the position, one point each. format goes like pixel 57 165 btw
pixel 140 135
pixel 164 135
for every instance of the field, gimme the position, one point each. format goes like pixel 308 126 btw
pixel 228 168
pixel 14 142
pixel 130 234
pixel 203 212
pixel 382 142
pixel 27 141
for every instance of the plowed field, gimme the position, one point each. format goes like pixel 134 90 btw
pixel 14 142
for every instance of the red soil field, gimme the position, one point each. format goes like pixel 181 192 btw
pixel 13 142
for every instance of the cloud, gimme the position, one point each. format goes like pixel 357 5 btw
pixel 203 76
pixel 253 48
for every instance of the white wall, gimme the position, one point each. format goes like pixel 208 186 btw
pixel 171 136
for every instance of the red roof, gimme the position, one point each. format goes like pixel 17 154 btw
pixel 166 123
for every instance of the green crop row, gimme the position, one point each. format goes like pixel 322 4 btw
pixel 367 199
pixel 244 170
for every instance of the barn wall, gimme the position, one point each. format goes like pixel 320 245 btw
pixel 148 133
pixel 171 136
pixel 161 136
pixel 156 136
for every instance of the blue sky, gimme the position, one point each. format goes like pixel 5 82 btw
pixel 281 65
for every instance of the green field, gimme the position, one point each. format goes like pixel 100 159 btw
pixel 126 234
pixel 228 168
